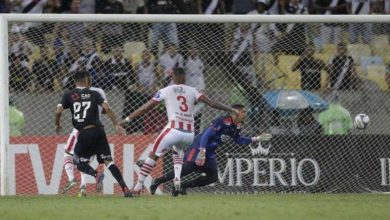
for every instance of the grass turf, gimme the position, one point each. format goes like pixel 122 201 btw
pixel 199 207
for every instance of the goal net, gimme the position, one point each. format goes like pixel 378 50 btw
pixel 303 82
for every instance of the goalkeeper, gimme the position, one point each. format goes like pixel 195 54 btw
pixel 201 156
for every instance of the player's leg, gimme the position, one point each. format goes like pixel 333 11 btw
pixel 178 153
pixel 163 142
pixel 177 156
pixel 99 179
pixel 68 160
pixel 83 151
pixel 186 169
pixel 103 153
pixel 211 176
pixel 100 176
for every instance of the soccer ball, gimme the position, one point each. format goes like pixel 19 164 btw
pixel 361 121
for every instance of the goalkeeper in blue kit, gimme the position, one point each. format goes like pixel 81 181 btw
pixel 201 155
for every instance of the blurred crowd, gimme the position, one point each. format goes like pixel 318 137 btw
pixel 43 56
pixel 186 6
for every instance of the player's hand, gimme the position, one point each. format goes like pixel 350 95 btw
pixel 201 158
pixel 264 137
pixel 120 130
pixel 59 129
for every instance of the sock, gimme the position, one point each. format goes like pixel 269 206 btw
pixel 186 169
pixel 202 180
pixel 145 171
pixel 165 178
pixel 198 182
pixel 68 165
pixel 117 174
pixel 86 168
pixel 177 163
pixel 83 179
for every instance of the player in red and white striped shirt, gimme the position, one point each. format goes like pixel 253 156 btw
pixel 179 101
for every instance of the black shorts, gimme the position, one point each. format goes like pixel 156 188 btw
pixel 92 141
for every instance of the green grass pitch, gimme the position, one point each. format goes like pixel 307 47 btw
pixel 196 206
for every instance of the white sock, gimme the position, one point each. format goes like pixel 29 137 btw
pixel 145 171
pixel 68 165
pixel 83 179
pixel 177 163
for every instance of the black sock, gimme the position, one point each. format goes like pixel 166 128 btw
pixel 117 175
pixel 186 169
pixel 200 181
pixel 86 168
pixel 165 178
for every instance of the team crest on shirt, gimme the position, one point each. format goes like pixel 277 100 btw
pixel 157 95
pixel 75 96
pixel 238 126
pixel 227 121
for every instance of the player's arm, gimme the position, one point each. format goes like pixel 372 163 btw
pixel 112 116
pixel 64 104
pixel 242 140
pixel 216 105
pixel 141 111
pixel 57 120
pixel 201 158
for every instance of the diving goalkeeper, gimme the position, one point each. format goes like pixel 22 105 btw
pixel 201 155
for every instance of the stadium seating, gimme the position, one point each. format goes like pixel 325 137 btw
pixel 387 59
pixel 293 80
pixel 329 49
pixel 380 40
pixel 371 60
pixel 358 50
pixel 377 73
pixel 133 50
pixel 322 56
pixel 380 49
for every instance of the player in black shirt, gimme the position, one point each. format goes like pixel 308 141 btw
pixel 92 140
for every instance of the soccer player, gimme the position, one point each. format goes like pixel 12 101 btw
pixel 201 156
pixel 92 140
pixel 179 101
pixel 68 156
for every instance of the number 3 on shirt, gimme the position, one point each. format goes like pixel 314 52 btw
pixel 183 107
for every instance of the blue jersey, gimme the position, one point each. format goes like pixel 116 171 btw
pixel 221 130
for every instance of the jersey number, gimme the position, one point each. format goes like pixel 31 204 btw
pixel 183 107
pixel 79 107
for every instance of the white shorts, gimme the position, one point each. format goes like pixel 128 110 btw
pixel 71 142
pixel 170 137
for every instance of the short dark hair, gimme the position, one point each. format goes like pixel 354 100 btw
pixel 178 71
pixel 80 75
pixel 238 106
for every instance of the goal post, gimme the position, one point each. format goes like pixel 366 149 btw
pixel 4 121
pixel 37 62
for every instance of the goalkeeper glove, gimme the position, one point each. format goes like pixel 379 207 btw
pixel 263 137
pixel 201 158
